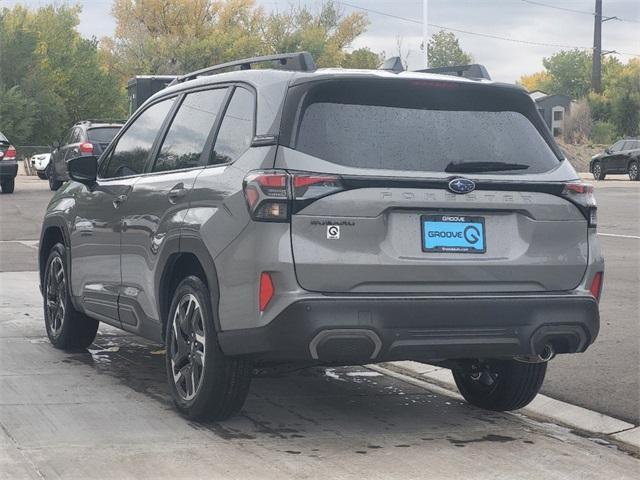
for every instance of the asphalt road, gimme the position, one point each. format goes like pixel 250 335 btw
pixel 106 413
pixel 606 378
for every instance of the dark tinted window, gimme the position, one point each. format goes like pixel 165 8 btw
pixel 3 138
pixel 236 132
pixel 616 147
pixel 186 138
pixel 419 126
pixel 134 146
pixel 102 134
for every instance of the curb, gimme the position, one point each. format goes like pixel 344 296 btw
pixel 544 408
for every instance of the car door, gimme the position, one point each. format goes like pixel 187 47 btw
pixel 58 157
pixel 95 236
pixel 156 207
pixel 614 161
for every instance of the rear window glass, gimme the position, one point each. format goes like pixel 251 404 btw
pixel 102 134
pixel 3 138
pixel 421 129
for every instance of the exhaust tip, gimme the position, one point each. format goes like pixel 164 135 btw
pixel 547 353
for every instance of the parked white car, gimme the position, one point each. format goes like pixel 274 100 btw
pixel 40 162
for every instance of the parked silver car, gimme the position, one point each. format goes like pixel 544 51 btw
pixel 328 216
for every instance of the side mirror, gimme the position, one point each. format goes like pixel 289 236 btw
pixel 607 150
pixel 55 144
pixel 83 169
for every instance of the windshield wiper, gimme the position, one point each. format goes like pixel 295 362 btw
pixel 466 167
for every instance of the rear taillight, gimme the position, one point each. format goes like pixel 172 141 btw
pixel 266 290
pixel 582 195
pixel 10 154
pixel 272 195
pixel 596 285
pixel 86 147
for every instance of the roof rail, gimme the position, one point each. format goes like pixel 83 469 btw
pixel 299 61
pixel 474 70
pixel 101 120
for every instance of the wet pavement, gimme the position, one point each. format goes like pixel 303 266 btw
pixel 106 413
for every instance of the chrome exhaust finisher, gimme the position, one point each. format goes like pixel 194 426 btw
pixel 547 354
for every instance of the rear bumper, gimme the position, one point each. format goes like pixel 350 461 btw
pixel 360 330
pixel 8 168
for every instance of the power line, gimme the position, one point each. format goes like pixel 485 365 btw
pixel 468 32
pixel 583 12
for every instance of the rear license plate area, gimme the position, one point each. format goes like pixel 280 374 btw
pixel 453 234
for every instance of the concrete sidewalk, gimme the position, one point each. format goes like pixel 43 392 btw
pixel 106 413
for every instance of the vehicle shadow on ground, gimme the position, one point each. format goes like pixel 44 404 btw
pixel 303 408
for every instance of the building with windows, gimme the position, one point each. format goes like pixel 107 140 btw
pixel 553 109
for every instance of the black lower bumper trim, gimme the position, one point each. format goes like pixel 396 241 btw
pixel 423 329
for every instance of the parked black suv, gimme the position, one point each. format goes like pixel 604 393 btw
pixel 88 137
pixel 8 165
pixel 621 157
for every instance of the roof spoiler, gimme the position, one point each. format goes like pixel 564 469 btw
pixel 473 71
pixel 299 61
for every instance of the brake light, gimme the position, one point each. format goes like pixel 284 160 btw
pixel 86 147
pixel 582 195
pixel 596 285
pixel 272 195
pixel 10 154
pixel 266 290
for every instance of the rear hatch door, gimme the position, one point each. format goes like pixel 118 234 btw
pixel 440 188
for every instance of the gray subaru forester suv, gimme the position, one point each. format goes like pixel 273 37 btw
pixel 328 217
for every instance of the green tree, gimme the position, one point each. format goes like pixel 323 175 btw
pixel 17 115
pixel 443 50
pixel 362 58
pixel 55 70
pixel 570 72
pixel 177 36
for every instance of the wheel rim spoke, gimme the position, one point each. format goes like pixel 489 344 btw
pixel 187 347
pixel 56 290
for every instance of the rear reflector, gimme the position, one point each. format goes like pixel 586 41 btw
pixel 596 286
pixel 266 290
pixel 86 147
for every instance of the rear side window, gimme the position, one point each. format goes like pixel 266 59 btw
pixel 236 131
pixel 417 127
pixel 102 134
pixel 185 141
pixel 134 146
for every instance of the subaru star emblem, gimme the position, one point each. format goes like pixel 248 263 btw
pixel 462 185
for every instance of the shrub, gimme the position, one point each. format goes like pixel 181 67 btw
pixel 603 133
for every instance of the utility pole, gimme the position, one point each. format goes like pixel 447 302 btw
pixel 596 63
pixel 425 32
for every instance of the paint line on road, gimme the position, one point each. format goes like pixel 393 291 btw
pixel 615 235
pixel 26 243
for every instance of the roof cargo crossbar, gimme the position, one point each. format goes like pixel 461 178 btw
pixel 299 61
pixel 474 70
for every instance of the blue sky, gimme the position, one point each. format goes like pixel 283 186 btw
pixel 506 61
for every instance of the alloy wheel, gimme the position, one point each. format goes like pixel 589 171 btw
pixel 597 170
pixel 56 296
pixel 187 347
pixel 633 171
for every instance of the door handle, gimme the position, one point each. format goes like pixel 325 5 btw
pixel 175 194
pixel 118 200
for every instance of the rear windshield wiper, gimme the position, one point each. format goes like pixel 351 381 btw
pixel 465 167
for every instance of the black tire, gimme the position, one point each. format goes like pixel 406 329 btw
pixel 67 328
pixel 500 385
pixel 53 183
pixel 598 171
pixel 8 185
pixel 634 171
pixel 220 384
